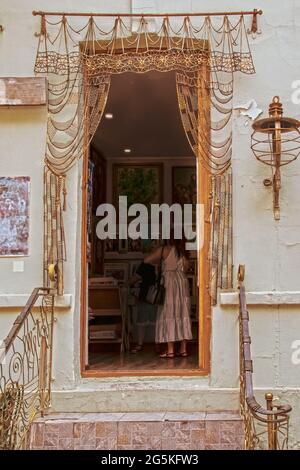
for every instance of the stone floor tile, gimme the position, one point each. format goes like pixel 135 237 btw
pixel 168 444
pixel 154 442
pixel 183 436
pixel 212 432
pixel 88 434
pixel 124 433
pixel 106 444
pixel 77 430
pixel 169 430
pixel 105 429
pixel 50 439
pixel 66 444
pixel 139 438
pixel 37 435
pixel 198 438
pixel 154 429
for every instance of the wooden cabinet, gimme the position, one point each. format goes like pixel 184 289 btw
pixel 106 322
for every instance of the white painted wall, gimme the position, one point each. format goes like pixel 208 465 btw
pixel 270 249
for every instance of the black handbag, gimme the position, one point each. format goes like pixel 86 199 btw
pixel 156 293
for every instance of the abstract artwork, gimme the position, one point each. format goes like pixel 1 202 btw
pixel 14 215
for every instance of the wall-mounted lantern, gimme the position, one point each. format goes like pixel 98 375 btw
pixel 276 142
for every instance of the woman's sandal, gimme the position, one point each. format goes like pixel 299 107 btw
pixel 136 349
pixel 182 354
pixel 167 355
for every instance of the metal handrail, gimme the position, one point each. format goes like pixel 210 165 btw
pixel 25 369
pixel 264 427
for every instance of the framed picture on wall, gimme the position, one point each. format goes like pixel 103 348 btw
pixel 118 271
pixel 184 185
pixel 14 215
pixel 141 182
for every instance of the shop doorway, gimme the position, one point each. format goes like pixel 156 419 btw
pixel 139 149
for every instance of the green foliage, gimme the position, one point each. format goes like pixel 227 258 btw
pixel 140 185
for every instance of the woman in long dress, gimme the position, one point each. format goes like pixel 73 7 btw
pixel 173 319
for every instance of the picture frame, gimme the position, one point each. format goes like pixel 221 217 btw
pixel 14 215
pixel 118 271
pixel 140 182
pixel 184 185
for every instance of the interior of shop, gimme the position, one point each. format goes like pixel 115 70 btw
pixel 139 150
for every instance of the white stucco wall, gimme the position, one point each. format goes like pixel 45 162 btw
pixel 269 249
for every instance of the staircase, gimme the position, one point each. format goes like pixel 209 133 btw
pixel 138 431
pixel 25 369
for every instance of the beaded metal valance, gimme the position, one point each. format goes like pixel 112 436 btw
pixel 78 53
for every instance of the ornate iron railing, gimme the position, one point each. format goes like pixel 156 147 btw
pixel 265 428
pixel 25 369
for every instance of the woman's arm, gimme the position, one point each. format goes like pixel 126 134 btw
pixel 154 258
pixel 134 279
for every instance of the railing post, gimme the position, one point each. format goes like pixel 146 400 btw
pixel 42 373
pixel 274 419
pixel 272 425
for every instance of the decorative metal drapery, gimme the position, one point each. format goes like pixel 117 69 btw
pixel 79 53
pixel 208 128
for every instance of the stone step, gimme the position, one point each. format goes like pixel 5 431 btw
pixel 138 431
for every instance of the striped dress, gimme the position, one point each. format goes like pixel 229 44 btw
pixel 173 318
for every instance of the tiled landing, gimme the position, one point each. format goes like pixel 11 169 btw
pixel 134 431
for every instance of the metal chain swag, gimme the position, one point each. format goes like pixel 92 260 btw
pixel 78 53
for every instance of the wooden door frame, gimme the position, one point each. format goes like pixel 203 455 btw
pixel 204 336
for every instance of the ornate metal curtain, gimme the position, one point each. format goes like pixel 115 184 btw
pixel 79 53
pixel 207 126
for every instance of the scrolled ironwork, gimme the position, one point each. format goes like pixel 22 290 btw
pixel 265 428
pixel 25 369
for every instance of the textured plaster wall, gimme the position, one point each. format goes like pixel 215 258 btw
pixel 270 250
